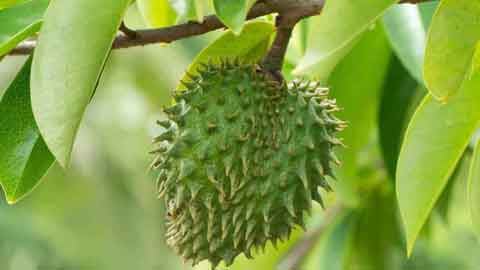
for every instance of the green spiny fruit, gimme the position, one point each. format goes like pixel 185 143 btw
pixel 240 160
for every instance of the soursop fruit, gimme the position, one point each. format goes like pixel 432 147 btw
pixel 240 160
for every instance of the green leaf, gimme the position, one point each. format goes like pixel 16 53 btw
pixel 233 13
pixel 407 35
pixel 376 233
pixel 335 31
pixel 9 3
pixel 20 22
pixel 72 50
pixel 399 92
pixel 451 43
pixel 446 200
pixel 188 10
pixel 157 13
pixel 427 9
pixel 25 157
pixel 250 45
pixel 434 142
pixel 362 86
pixel 474 189
pixel 303 29
pixel 296 49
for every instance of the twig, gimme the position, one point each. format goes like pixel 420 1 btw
pixel 163 35
pixel 127 31
pixel 273 62
pixel 296 255
pixel 210 23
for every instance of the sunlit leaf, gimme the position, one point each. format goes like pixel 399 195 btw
pixel 447 199
pixel 434 142
pixel 25 157
pixel 157 13
pixel 335 31
pixel 427 9
pixel 303 29
pixel 296 49
pixel 474 189
pixel 407 34
pixel 67 64
pixel 233 13
pixel 20 22
pixel 451 42
pixel 188 10
pixel 250 45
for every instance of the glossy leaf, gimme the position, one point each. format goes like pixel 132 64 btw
pixel 303 30
pixel 188 10
pixel 20 22
pixel 474 189
pixel 407 34
pixel 25 157
pixel 233 13
pixel 250 45
pixel 427 9
pixel 434 142
pixel 335 31
pixel 446 201
pixel 66 66
pixel 451 43
pixel 157 13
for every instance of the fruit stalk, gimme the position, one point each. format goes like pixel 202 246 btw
pixel 273 62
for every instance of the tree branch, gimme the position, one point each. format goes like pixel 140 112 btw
pixel 128 31
pixel 273 61
pixel 296 8
pixel 295 256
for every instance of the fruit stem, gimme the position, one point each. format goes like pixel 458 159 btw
pixel 285 22
pixel 273 62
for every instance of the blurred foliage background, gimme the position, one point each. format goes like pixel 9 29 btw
pixel 102 213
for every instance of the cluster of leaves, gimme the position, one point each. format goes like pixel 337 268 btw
pixel 379 59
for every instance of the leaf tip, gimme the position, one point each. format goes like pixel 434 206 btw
pixel 11 201
pixel 64 161
pixel 298 71
pixel 11 198
pixel 410 246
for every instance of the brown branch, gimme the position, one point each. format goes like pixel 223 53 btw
pixel 210 23
pixel 290 13
pixel 296 255
pixel 163 35
pixel 128 31
pixel 273 61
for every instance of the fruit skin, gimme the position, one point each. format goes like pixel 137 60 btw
pixel 240 160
